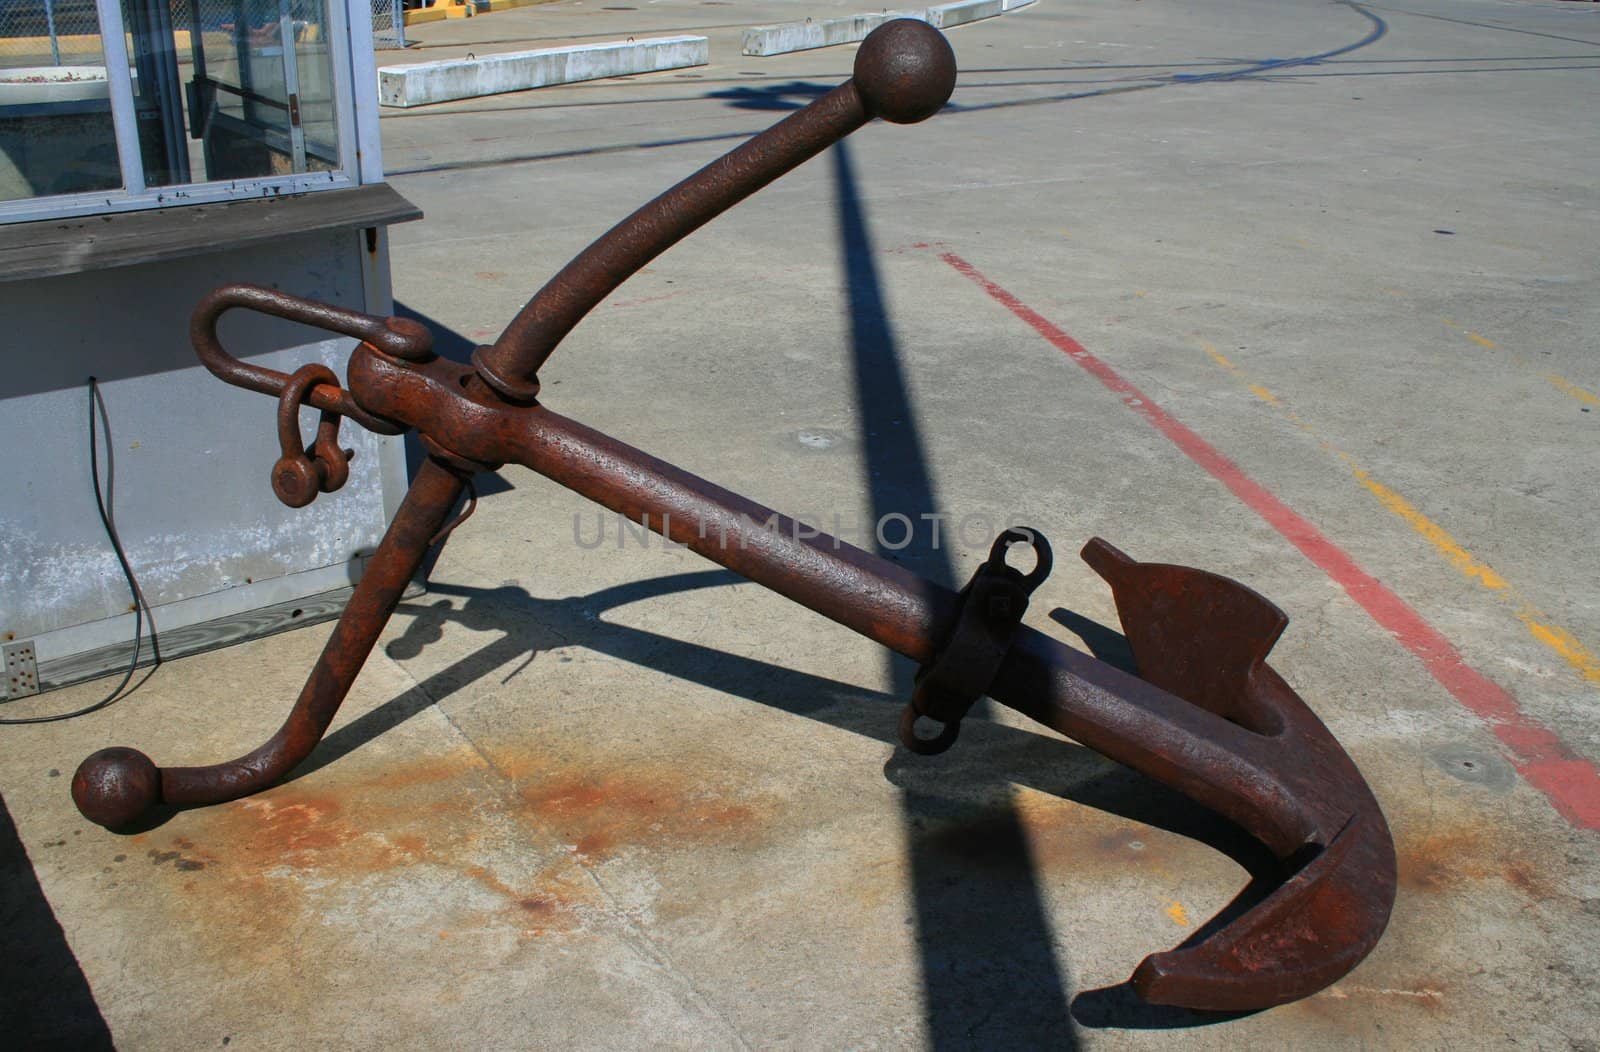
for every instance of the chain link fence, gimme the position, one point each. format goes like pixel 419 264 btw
pixel 388 23
pixel 67 32
pixel 49 33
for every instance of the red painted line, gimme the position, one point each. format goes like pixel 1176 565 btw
pixel 1570 782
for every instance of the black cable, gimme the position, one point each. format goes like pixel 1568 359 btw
pixel 127 571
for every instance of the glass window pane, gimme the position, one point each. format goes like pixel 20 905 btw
pixel 56 135
pixel 318 109
pixel 260 88
pixel 222 90
pixel 157 91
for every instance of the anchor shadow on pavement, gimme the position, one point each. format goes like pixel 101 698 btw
pixel 962 814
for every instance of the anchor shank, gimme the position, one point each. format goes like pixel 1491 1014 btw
pixel 1186 746
pixel 1119 715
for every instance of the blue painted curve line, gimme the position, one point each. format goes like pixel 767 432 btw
pixel 1379 28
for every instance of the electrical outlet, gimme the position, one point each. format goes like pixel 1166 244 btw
pixel 22 670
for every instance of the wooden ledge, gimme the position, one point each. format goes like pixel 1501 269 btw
pixel 51 247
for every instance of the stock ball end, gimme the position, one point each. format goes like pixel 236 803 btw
pixel 905 71
pixel 114 787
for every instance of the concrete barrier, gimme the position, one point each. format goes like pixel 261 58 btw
pixel 803 36
pixel 785 37
pixel 957 14
pixel 444 81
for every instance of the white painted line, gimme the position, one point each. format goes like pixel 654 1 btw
pixel 444 81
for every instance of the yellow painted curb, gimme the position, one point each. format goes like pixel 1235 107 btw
pixel 87 47
pixel 464 9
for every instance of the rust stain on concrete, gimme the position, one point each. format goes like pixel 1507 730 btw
pixel 290 827
pixel 1074 839
pixel 602 813
pixel 600 804
pixel 448 842
pixel 287 857
pixel 1448 859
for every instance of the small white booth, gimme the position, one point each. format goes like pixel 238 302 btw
pixel 151 150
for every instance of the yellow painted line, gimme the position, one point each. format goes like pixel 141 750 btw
pixel 1560 383
pixel 1538 624
pixel 1264 394
pixel 1567 387
pixel 1561 641
pixel 1434 533
pixel 1179 915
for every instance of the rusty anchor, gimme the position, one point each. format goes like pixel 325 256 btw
pixel 1206 716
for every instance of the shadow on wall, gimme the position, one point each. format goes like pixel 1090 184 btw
pixel 134 321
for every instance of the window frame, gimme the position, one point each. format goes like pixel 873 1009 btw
pixel 350 51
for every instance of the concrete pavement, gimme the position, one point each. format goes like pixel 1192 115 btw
pixel 600 798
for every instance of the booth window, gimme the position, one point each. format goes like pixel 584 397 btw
pixel 127 104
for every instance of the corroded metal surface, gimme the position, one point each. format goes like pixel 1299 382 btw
pixel 992 605
pixel 116 786
pixel 1206 715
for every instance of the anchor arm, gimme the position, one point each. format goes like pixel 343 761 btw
pixel 117 786
pixel 1296 791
